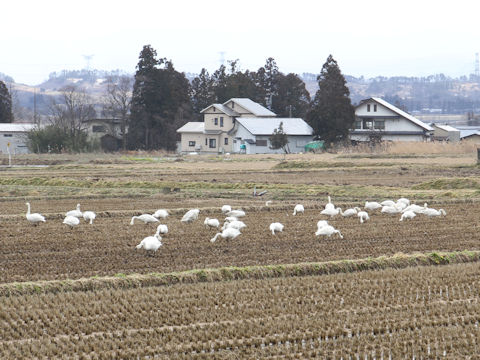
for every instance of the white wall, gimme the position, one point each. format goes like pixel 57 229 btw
pixel 17 140
pixel 389 137
pixel 296 143
pixel 381 110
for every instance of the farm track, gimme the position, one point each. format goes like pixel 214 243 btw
pixel 428 312
pixel 51 251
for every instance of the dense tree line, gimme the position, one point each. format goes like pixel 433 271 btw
pixel 6 114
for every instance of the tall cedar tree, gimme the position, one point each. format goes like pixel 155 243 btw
pixel 160 103
pixel 6 114
pixel 292 98
pixel 202 93
pixel 331 114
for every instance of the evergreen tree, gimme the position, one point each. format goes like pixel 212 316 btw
pixel 331 114
pixel 292 98
pixel 279 140
pixel 202 92
pixel 160 103
pixel 6 115
pixel 267 80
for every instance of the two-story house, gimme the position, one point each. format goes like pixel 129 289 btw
pixel 375 117
pixel 215 133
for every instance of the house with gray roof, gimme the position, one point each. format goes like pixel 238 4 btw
pixel 377 118
pixel 240 125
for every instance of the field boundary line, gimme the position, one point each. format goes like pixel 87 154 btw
pixel 131 281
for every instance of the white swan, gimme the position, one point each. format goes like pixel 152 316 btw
pixel 328 230
pixel 268 202
pixel 298 209
pixel 161 213
pixel 349 212
pixel 400 205
pixel 190 216
pixel 416 208
pixel 321 223
pixel 363 216
pixel 404 200
pixel 211 223
pixel 408 215
pixel 146 218
pixel 150 243
pixel 331 212
pixel 372 205
pixel 76 212
pixel 228 233
pixel 231 218
pixel 388 203
pixel 34 218
pixel 71 221
pixel 237 224
pixel 390 210
pixel 226 209
pixel 330 205
pixel 236 213
pixel 433 212
pixel 276 226
pixel 89 216
pixel 162 229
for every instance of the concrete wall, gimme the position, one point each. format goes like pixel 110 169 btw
pixel 243 112
pixel 17 140
pixel 381 110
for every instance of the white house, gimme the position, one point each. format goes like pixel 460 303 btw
pixel 239 121
pixel 13 137
pixel 376 117
pixel 254 135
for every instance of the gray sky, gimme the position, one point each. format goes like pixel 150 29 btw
pixel 369 37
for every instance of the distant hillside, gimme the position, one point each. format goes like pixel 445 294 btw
pixel 436 94
pixel 432 94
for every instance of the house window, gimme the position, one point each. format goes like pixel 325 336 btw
pixel 191 143
pixel 233 105
pixel 367 124
pixel 261 143
pixel 98 128
pixel 358 124
pixel 380 124
pixel 7 135
pixel 375 107
pixel 213 143
pixel 206 141
pixel 221 121
pixel 226 141
pixel 368 107
pixel 215 121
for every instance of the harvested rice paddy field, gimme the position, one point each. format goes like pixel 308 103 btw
pixel 387 290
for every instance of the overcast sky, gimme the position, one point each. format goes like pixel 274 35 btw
pixel 369 37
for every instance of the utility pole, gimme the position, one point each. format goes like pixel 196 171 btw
pixel 35 106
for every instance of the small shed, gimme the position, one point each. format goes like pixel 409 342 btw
pixel 13 137
pixel 445 133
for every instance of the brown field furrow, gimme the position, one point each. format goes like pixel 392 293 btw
pixel 418 311
pixel 53 251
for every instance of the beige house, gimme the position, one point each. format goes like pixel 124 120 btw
pixel 215 133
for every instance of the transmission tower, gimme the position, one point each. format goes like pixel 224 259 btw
pixel 477 66
pixel 88 58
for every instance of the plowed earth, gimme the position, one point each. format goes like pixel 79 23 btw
pixel 53 251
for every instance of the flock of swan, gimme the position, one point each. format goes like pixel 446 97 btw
pixel 232 226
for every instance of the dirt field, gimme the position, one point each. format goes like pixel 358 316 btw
pixel 53 251
pixel 425 312
pixel 428 312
